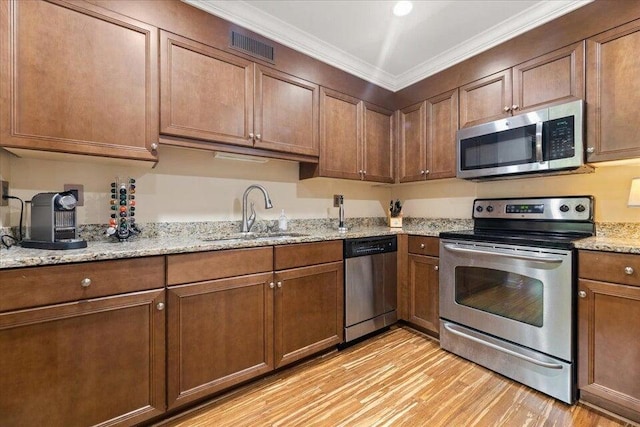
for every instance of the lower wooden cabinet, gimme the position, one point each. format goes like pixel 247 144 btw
pixel 608 331
pixel 423 284
pixel 225 331
pixel 308 311
pixel 220 333
pixel 96 361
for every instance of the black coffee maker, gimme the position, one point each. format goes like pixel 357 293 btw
pixel 54 222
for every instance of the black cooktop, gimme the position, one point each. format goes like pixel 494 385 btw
pixel 522 238
pixel 548 222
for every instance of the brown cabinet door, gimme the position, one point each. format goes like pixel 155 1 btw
pixel 84 363
pixel 442 124
pixel 423 292
pixel 220 333
pixel 377 147
pixel 486 99
pixel 286 113
pixel 340 135
pixel 608 346
pixel 613 94
pixel 413 146
pixel 555 77
pixel 206 93
pixel 76 78
pixel 309 312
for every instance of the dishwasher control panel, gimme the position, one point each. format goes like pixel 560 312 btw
pixel 369 246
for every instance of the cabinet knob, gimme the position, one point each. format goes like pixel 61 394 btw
pixel 506 109
pixel 582 294
pixel 279 284
pixel 426 172
pixel 86 282
pixel 251 135
pixel 628 270
pixel 258 136
pixel 422 172
pixel 272 285
pixel 154 146
pixel 360 171
pixel 436 268
pixel 514 107
pixel 364 172
pixel 421 245
pixel 160 306
pixel 590 150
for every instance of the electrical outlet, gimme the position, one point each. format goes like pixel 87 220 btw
pixel 336 200
pixel 78 191
pixel 4 191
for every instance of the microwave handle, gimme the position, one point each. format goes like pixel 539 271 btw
pixel 539 157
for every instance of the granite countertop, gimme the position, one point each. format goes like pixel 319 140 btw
pixel 198 239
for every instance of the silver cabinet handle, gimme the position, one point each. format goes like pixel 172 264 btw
pixel 160 306
pixel 422 172
pixel 272 285
pixel 436 268
pixel 421 245
pixel 251 135
pixel 154 146
pixel 426 172
pixel 590 150
pixel 258 136
pixel 628 270
pixel 514 107
pixel 279 284
pixel 86 282
pixel 364 172
pixel 506 109
pixel 360 171
pixel 582 294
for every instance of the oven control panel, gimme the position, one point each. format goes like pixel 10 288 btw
pixel 565 208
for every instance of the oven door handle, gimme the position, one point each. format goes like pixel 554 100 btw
pixel 546 259
pixel 502 349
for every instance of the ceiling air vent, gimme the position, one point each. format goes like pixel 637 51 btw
pixel 252 47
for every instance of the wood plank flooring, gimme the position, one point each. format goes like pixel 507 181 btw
pixel 399 378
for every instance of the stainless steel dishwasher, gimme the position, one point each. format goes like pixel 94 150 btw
pixel 370 284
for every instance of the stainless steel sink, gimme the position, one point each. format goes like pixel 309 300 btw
pixel 239 237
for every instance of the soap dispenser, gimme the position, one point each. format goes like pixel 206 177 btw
pixel 282 221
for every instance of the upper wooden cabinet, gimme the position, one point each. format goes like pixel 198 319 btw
pixel 211 95
pixel 356 140
pixel 76 78
pixel 427 139
pixel 552 78
pixel 613 94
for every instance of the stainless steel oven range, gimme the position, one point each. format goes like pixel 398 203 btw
pixel 507 289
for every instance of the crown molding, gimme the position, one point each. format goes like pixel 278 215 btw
pixel 254 19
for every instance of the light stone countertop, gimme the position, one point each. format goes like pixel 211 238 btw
pixel 195 242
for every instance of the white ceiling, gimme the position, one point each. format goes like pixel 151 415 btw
pixel 364 38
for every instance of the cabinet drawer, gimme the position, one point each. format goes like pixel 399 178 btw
pixel 35 286
pixel 200 266
pixel 304 254
pixel 610 267
pixel 424 245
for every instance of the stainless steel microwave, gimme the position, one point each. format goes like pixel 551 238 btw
pixel 546 140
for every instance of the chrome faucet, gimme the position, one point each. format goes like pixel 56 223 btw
pixel 248 222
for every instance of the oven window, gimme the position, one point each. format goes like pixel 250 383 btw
pixel 510 147
pixel 501 293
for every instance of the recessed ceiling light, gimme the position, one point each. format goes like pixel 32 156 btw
pixel 402 8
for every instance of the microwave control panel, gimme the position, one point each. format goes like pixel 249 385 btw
pixel 560 138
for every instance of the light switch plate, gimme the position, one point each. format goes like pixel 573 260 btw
pixel 79 189
pixel 336 200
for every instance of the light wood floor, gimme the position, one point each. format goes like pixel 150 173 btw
pixel 399 378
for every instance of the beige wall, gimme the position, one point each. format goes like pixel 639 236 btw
pixel 190 185
pixel 453 198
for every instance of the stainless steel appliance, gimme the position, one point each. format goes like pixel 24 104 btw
pixel 54 222
pixel 370 285
pixel 546 140
pixel 507 289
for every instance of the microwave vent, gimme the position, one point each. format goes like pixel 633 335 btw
pixel 252 47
